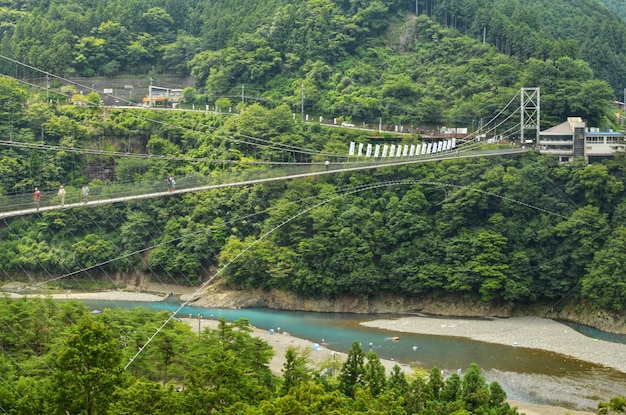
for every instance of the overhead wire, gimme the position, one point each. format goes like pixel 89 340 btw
pixel 248 141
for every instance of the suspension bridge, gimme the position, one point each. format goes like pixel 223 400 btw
pixel 513 120
pixel 23 204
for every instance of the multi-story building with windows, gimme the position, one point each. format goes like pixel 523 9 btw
pixel 573 140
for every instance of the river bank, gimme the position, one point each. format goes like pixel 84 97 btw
pixel 436 326
pixel 216 296
pixel 320 355
pixel 528 332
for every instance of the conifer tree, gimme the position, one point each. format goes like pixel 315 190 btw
pixel 375 377
pixel 352 371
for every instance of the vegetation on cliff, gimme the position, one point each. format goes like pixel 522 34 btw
pixel 509 231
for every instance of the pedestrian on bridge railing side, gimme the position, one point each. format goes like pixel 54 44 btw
pixel 85 192
pixel 37 197
pixel 171 183
pixel 61 194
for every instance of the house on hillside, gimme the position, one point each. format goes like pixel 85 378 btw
pixel 162 97
pixel 574 140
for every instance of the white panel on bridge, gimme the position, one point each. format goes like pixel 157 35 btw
pixel 412 150
pixel 351 152
pixel 377 150
pixel 454 143
pixel 405 151
pixel 368 152
pixel 360 149
pixel 429 147
pixel 424 148
pixel 392 151
pixel 385 147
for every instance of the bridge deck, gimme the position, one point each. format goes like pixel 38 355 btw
pixel 23 204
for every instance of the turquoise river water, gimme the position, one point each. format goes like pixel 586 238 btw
pixel 527 375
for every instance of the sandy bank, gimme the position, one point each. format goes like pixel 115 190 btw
pixel 529 332
pixel 519 331
pixel 323 356
pixel 103 295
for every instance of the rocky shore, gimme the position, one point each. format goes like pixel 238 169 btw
pixel 574 311
pixel 530 332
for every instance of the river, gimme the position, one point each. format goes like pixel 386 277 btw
pixel 527 375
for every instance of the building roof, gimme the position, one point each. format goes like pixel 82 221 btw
pixel 565 128
pixel 560 129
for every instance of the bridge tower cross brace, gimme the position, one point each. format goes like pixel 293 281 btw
pixel 530 113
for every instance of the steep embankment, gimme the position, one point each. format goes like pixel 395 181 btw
pixel 220 297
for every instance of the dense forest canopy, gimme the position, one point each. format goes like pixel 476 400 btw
pixel 453 62
pixel 617 6
pixel 511 231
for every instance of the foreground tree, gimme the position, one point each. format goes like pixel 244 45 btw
pixel 87 368
pixel 352 372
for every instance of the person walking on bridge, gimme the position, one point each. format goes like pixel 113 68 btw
pixel 37 197
pixel 171 183
pixel 85 192
pixel 61 194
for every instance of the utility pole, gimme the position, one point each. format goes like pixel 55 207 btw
pixel 242 93
pixel 150 93
pixel 302 103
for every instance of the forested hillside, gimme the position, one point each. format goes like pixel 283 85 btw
pixel 617 6
pixel 362 60
pixel 512 231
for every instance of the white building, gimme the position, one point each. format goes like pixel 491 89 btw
pixel 573 140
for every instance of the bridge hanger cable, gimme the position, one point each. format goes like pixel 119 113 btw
pixel 337 195
pixel 268 143
pixel 495 117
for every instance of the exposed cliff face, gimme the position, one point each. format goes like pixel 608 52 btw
pixel 219 297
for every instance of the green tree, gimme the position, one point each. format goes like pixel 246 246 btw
pixel 605 280
pixel 615 406
pixel 474 390
pixel 435 382
pixel 142 397
pixel 397 381
pixel 295 371
pixel 374 376
pixel 353 371
pixel 87 368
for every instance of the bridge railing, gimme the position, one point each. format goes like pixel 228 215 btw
pixel 24 203
pixel 135 190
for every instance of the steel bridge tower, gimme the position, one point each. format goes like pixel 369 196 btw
pixel 530 113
